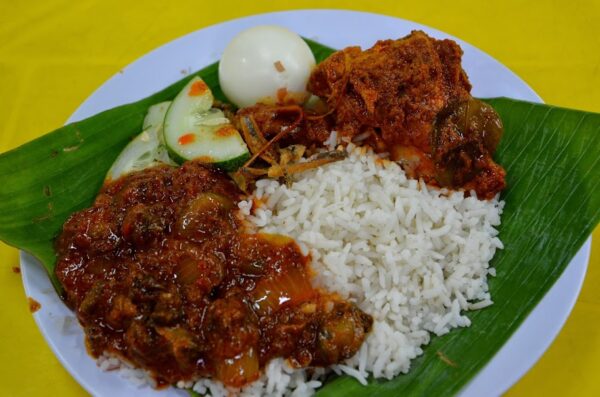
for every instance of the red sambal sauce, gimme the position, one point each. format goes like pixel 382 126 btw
pixel 161 273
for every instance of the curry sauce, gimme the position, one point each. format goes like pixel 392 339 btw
pixel 162 273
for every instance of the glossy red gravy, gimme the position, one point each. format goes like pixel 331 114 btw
pixel 161 272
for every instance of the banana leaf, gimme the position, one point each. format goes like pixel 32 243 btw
pixel 551 156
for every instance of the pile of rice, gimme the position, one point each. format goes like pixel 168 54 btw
pixel 413 257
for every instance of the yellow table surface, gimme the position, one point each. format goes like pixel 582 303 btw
pixel 55 53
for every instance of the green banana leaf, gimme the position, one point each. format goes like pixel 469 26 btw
pixel 551 156
pixel 552 205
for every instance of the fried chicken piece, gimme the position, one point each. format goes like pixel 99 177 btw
pixel 392 96
pixel 396 88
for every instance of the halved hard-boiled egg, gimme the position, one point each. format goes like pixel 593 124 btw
pixel 266 64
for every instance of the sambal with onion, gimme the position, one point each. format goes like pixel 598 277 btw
pixel 162 273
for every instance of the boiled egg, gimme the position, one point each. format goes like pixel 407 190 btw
pixel 266 64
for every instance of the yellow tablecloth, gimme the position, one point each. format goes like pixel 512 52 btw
pixel 54 53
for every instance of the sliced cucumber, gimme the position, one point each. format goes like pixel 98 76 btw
pixel 146 149
pixel 156 115
pixel 194 130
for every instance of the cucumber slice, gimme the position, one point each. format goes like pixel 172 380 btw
pixel 194 130
pixel 146 149
pixel 156 115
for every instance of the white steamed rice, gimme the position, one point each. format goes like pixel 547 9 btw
pixel 412 256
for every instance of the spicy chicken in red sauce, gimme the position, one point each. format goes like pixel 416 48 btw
pixel 408 97
pixel 161 272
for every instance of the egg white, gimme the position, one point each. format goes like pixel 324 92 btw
pixel 264 62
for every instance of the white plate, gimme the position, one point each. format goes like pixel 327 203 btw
pixel 337 29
